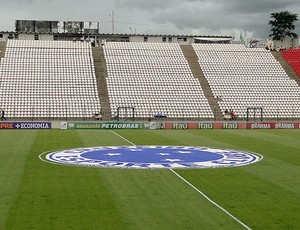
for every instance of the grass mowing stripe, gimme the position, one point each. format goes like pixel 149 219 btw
pixel 191 185
pixel 61 197
pixel 154 199
pixel 15 148
pixel 266 194
pixel 92 138
pixel 123 138
pixel 210 200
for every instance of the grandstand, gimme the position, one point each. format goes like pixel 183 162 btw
pixel 153 79
pixel 68 79
pixel 47 79
pixel 249 78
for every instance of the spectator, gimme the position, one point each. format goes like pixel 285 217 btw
pixel 98 116
pixel 227 115
pixel 2 115
pixel 219 98
pixel 233 116
pixel 116 116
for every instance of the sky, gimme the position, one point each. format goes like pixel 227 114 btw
pixel 183 17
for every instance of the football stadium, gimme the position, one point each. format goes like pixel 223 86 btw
pixel 137 131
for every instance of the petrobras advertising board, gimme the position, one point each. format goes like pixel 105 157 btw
pixel 105 125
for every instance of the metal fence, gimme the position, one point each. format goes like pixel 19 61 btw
pixel 66 113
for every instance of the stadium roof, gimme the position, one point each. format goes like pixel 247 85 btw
pixel 214 39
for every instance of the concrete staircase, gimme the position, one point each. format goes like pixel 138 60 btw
pixel 192 59
pixel 286 66
pixel 101 74
pixel 2 49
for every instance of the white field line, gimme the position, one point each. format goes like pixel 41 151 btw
pixel 51 162
pixel 196 189
pixel 210 200
pixel 123 138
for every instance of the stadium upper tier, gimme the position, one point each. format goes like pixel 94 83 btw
pixel 154 79
pixel 48 79
pixel 245 77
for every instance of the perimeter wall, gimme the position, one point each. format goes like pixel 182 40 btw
pixel 149 125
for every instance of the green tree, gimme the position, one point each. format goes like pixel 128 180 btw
pixel 282 25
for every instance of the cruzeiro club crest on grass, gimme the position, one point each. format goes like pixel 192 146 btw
pixel 152 157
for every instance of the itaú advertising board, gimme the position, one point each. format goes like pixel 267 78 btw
pixel 25 125
pixel 273 125
pixel 229 125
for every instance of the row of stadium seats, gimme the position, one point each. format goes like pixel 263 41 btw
pixel 49 44
pixel 241 82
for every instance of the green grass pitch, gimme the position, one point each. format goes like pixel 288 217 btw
pixel 39 195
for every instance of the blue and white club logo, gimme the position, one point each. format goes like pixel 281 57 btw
pixel 152 157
